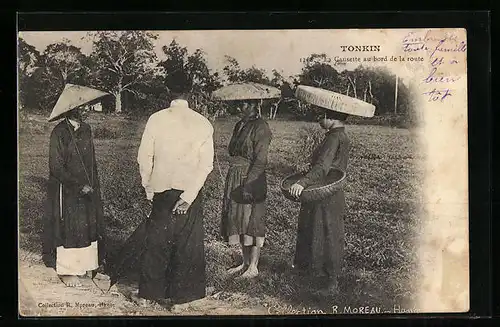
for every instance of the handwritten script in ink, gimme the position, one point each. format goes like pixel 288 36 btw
pixel 444 50
pixel 438 95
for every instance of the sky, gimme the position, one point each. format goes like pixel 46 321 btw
pixel 267 49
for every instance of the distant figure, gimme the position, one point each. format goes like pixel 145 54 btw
pixel 73 228
pixel 245 191
pixel 175 157
pixel 320 236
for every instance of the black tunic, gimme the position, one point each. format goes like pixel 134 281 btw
pixel 77 221
pixel 248 149
pixel 320 235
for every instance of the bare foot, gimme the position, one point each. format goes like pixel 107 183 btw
pixel 165 303
pixel 234 270
pixel 98 276
pixel 140 301
pixel 251 272
pixel 70 281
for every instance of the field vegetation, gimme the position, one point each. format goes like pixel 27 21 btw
pixel 383 194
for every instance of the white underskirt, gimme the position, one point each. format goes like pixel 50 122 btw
pixel 76 261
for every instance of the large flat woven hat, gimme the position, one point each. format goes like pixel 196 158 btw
pixel 246 91
pixel 334 101
pixel 72 97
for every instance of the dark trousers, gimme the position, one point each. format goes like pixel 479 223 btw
pixel 173 263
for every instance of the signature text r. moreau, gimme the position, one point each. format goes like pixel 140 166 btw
pixel 356 310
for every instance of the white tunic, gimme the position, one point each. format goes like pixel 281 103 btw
pixel 176 151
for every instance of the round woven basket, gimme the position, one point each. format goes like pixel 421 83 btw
pixel 334 181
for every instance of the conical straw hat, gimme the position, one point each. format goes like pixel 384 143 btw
pixel 246 91
pixel 334 101
pixel 72 97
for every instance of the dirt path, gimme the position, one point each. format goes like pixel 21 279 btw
pixel 42 294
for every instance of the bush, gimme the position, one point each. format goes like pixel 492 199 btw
pixel 305 112
pixel 208 107
pixel 298 109
pixel 114 126
pixel 32 124
pixel 383 195
pixel 103 132
pixel 399 121
pixel 309 138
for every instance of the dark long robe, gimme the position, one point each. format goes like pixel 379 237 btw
pixel 173 260
pixel 320 235
pixel 248 148
pixel 78 220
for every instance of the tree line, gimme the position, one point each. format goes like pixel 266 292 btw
pixel 125 65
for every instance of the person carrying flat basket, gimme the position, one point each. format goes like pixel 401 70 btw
pixel 320 234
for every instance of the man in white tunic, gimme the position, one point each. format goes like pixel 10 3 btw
pixel 175 157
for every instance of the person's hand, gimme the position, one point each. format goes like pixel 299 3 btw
pixel 181 207
pixel 149 208
pixel 296 190
pixel 86 189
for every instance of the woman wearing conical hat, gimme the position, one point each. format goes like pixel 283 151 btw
pixel 320 235
pixel 73 240
pixel 245 192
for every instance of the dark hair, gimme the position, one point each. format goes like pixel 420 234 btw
pixel 73 113
pixel 179 95
pixel 249 101
pixel 330 114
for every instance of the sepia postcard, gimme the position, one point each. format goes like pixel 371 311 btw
pixel 243 172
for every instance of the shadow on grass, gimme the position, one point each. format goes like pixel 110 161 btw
pixel 277 284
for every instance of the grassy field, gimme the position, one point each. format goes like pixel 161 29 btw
pixel 383 197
